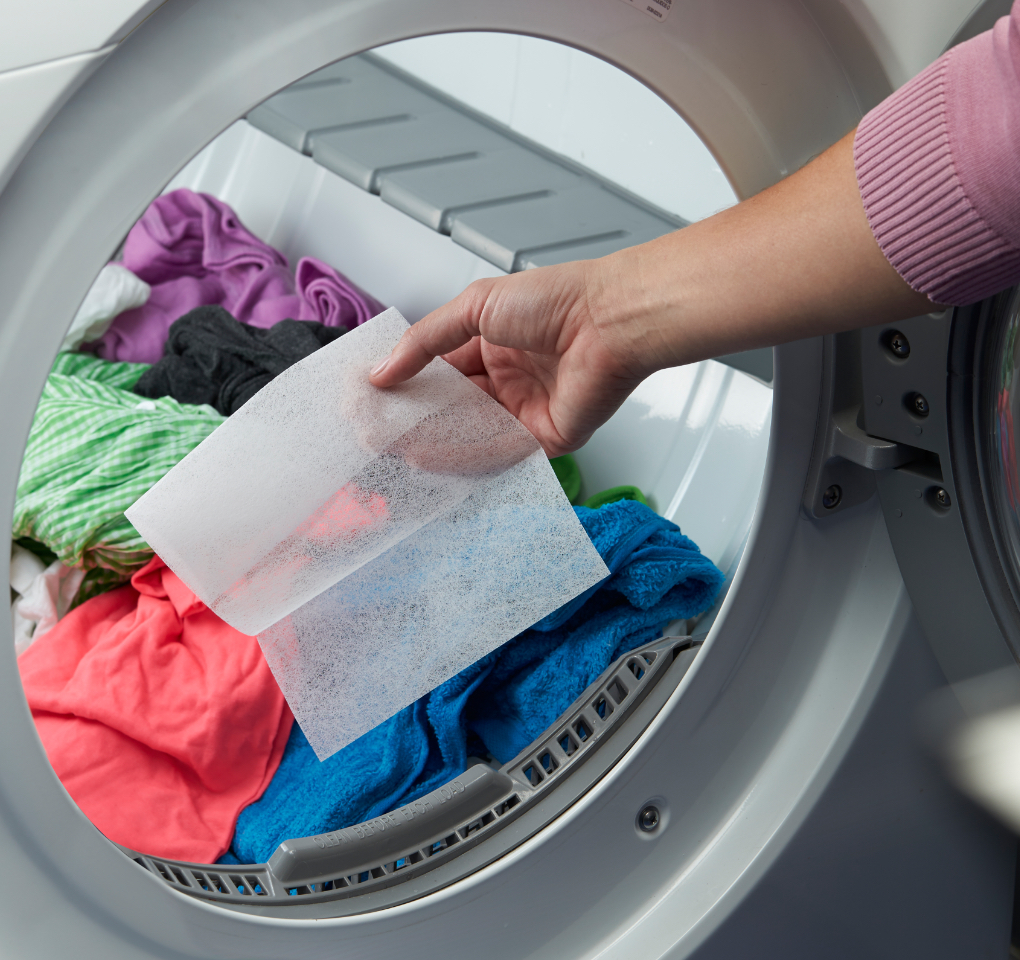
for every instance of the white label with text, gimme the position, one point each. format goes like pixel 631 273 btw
pixel 659 9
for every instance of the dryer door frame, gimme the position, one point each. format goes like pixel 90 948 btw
pixel 924 386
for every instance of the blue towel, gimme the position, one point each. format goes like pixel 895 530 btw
pixel 502 702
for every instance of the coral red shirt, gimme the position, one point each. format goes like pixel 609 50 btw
pixel 161 721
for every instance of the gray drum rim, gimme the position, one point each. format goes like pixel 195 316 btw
pixel 515 803
pixel 91 174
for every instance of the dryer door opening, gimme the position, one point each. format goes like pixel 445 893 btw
pixel 411 193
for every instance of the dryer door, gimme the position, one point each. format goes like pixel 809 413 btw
pixel 943 389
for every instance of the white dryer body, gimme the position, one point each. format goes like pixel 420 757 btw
pixel 798 814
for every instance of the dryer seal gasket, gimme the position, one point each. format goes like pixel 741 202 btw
pixel 974 348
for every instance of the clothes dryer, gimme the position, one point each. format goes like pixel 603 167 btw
pixel 762 790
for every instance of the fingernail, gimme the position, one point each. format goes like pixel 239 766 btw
pixel 380 368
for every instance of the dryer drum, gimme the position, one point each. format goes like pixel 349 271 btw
pixel 338 121
pixel 467 814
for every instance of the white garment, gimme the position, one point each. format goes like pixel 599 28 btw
pixel 115 290
pixel 45 595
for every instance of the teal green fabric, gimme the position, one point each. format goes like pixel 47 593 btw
pixel 614 495
pixel 94 449
pixel 568 474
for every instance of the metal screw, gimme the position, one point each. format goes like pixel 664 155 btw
pixel 942 498
pixel 920 405
pixel 648 819
pixel 832 496
pixel 899 345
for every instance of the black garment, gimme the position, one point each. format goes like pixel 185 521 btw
pixel 212 358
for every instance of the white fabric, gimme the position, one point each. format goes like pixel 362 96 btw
pixel 115 290
pixel 45 594
pixel 378 541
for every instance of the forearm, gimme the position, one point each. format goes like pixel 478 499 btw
pixel 562 347
pixel 797 260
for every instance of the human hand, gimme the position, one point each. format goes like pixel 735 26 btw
pixel 539 342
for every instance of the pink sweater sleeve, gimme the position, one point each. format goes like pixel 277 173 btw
pixel 938 165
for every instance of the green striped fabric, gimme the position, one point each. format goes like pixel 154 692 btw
pixel 94 449
pixel 87 367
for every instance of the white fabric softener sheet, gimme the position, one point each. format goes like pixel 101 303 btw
pixel 376 541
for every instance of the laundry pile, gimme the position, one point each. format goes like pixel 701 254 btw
pixel 499 704
pixel 94 448
pixel 164 723
pixel 210 358
pixel 192 251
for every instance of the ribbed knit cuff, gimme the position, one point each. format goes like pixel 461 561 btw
pixel 915 202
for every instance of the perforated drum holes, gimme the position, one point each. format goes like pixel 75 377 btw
pixel 302 875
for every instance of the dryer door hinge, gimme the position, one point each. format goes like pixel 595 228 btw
pixel 849 441
pixel 847 457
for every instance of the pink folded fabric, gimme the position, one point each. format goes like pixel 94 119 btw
pixel 193 250
pixel 161 721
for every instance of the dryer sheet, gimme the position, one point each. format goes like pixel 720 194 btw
pixel 376 541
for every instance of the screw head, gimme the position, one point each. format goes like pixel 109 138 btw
pixel 920 405
pixel 648 818
pixel 899 345
pixel 832 496
pixel 942 498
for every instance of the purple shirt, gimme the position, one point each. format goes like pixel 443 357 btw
pixel 193 250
